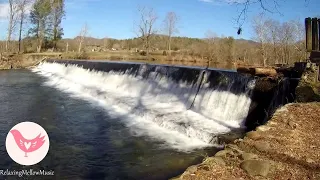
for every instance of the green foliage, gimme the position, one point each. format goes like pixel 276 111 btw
pixel 45 18
pixel 39 17
pixel 57 14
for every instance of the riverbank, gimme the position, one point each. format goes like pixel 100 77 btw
pixel 18 61
pixel 23 61
pixel 287 147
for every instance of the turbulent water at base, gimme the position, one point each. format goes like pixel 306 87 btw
pixel 178 114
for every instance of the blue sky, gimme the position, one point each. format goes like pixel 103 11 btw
pixel 115 18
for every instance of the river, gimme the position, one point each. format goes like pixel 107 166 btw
pixel 118 126
pixel 85 141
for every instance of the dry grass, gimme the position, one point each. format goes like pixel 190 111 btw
pixel 155 57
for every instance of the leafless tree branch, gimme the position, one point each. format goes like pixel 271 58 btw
pixel 145 28
pixel 170 27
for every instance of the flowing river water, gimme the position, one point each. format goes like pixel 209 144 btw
pixel 111 125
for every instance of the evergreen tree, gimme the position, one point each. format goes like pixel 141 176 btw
pixel 46 17
pixel 40 20
pixel 57 14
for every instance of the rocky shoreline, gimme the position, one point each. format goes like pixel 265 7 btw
pixel 286 147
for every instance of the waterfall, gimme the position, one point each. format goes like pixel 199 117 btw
pixel 180 107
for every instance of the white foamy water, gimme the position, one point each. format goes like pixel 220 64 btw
pixel 157 108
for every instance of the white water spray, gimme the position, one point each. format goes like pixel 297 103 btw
pixel 153 108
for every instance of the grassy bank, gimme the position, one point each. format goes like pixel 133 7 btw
pixel 17 61
pixel 155 57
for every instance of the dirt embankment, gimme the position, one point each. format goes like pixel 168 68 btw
pixel 21 61
pixel 287 147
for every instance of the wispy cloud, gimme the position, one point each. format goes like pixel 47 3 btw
pixel 80 4
pixel 4 11
pixel 207 1
pixel 222 1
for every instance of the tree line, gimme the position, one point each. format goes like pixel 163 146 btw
pixel 273 42
pixel 44 20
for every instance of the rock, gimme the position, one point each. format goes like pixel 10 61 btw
pixel 272 123
pixel 238 141
pixel 254 135
pixel 224 153
pixel 192 169
pixel 292 125
pixel 311 161
pixel 291 117
pixel 285 120
pixel 248 156
pixel 214 160
pixel 230 137
pixel 176 178
pixel 203 167
pixel 256 167
pixel 234 147
pixel 262 146
pixel 263 128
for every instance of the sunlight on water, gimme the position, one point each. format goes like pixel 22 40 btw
pixel 154 107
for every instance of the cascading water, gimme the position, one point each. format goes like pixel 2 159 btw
pixel 183 108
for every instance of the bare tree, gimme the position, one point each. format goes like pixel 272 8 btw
pixel 212 47
pixel 82 36
pixel 22 8
pixel 106 42
pixel 273 38
pixel 270 6
pixel 146 26
pixel 261 35
pixel 300 44
pixel 170 27
pixel 13 8
pixel 291 36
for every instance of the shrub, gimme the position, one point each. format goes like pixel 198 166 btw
pixel 82 55
pixel 164 53
pixel 143 53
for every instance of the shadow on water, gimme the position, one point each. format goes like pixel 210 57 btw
pixel 85 141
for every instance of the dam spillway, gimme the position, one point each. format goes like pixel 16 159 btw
pixel 183 107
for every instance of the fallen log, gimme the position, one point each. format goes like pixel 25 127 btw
pixel 258 71
pixel 37 63
pixel 261 71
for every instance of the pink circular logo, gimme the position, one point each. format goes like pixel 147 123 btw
pixel 27 143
